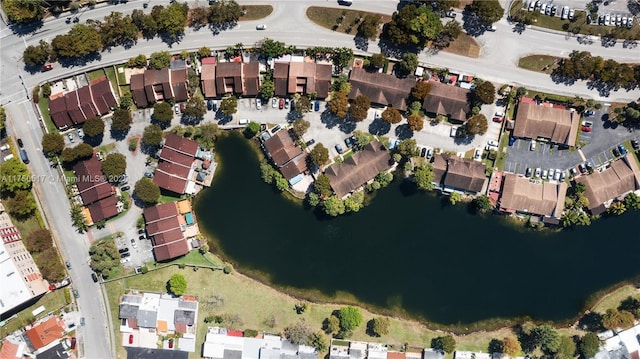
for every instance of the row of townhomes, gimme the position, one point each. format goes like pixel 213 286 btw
pixel 75 100
pixel 22 281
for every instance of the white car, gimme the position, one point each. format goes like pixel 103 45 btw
pixel 565 13
pixel 543 7
pixel 551 173
pixel 80 133
pixel 274 102
pixel 571 14
pixel 70 136
pixel 454 131
pixel 477 155
pixel 258 104
pixel 492 143
pixel 532 146
pixel 176 109
pixel 261 27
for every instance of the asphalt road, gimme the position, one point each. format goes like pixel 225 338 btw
pixel 288 23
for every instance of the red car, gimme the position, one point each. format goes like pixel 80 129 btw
pixel 130 338
pixel 281 103
pixel 497 119
pixel 47 67
pixel 586 128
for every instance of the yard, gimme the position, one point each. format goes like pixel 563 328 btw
pixel 256 12
pixel 539 63
pixel 329 18
pixel 613 299
pixel 464 45
pixel 43 104
pixel 95 74
pixel 51 301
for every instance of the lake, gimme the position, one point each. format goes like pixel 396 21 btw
pixel 412 250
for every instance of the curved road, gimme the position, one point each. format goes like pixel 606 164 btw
pixel 287 23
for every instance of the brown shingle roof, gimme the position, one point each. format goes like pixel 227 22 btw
pixel 174 169
pixel 302 77
pixel 447 100
pixel 160 212
pixel 103 209
pixel 137 90
pixel 162 226
pixel 171 250
pixel 102 94
pixel 229 77
pixel 169 182
pixel 358 169
pixel 73 107
pixel 90 181
pixel 294 167
pixel 251 76
pixel 555 124
pixel 170 155
pixel 281 148
pixel 59 114
pixel 280 78
pixel 323 80
pixel 208 79
pixel 181 144
pixel 623 176
pixel 86 102
pixel 167 235
pixel 179 85
pixel 522 195
pixel 381 88
pixel 459 173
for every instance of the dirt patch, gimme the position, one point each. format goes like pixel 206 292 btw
pixel 256 12
pixel 341 20
pixel 464 45
pixel 539 63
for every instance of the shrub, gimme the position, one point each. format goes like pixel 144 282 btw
pixel 227 269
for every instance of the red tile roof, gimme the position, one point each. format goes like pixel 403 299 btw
pixel 9 350
pixel 170 182
pixel 102 94
pixel 235 333
pixel 159 212
pixel 181 144
pixel 45 333
pixel 103 209
pixel 163 226
pixel 90 181
pixel 171 250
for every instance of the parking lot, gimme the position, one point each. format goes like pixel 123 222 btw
pixel 613 8
pixel 140 250
pixel 596 146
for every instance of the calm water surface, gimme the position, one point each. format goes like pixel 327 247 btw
pixel 408 249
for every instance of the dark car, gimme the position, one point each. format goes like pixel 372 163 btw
pixel 589 166
pixel 142 238
pixel 125 188
pixel 20 143
pixel 317 106
pixel 623 150
pixel 635 144
pixel 68 264
pixel 281 104
pixel 311 142
pixel 141 231
pixel 512 140
pixel 582 168
pixel 209 105
pixel 73 343
pixel 125 254
pixel 276 129
pixel 339 149
pixel 123 250
pixel 47 67
pixel 589 113
pixel 615 152
pixel 148 174
pixel 355 142
pixel 528 172
pixel 423 152
pixel 347 141
pixel 94 277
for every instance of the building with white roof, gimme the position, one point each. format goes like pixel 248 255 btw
pixel 221 343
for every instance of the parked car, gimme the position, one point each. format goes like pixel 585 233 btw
pixel 82 321
pixel 76 293
pixel 274 102
pixel 512 140
pixel 545 173
pixel 477 155
pixel 125 188
pixel 616 152
pixel 70 137
pixel 20 143
pixel 587 123
pixel 68 264
pixel 423 152
pixel 287 102
pixel 339 149
pixel 586 129
pixel 490 28
pixel 275 129
pixel 281 104
pixel 347 142
pixel 562 176
pixel 176 108
pixel 133 243
pixel 538 172
pixel 311 142
pixel 454 131
pixel 589 113
pixel 623 150
pixel 142 238
pixel 125 254
pixel 148 174
pixel 589 166
pixel 47 67
pixel 528 172
pixel 258 104
pixel 429 152
pixel 123 250
pixel 261 27
pixel 582 168
pixel 354 141
pixel 95 280
pixel 571 14
pixel 532 5
pixel 573 171
pixel 554 10
pixel 497 119
pixel 80 133
pixel 556 175
pixel 635 145
pixel 532 146
pixel 317 106
pixel 607 19
pixel 4 147
pixel 565 13
pixel 209 104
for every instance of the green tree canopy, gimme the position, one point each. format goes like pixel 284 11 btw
pixel 118 30
pixel 38 241
pixel 159 60
pixel 267 89
pixel 139 61
pixel 152 135
pixel 407 64
pixel 322 186
pixel 415 121
pixel 21 205
pixel 80 41
pixel 80 152
pixel 379 326
pixel 93 127
pixel 614 319
pixel 450 31
pixel 489 11
pixel 15 177
pixel 177 284
pixel 378 60
pixel 147 191
pixel 204 51
pixel 3 118
pixel 163 113
pixel 333 206
pixel 485 92
pixel 364 138
pixel 195 108
pixel 300 126
pixel 407 148
pixel 173 19
pixel 114 167
pixel 272 48
pixel 229 105
pixel 298 333
pixel 631 305
pixel 339 104
pixel 391 116
pixel 424 177
pixel 350 318
pixel 121 120
pixel 303 105
pixel 413 25
pixel 224 12
pixel 589 345
pixel 331 324
pixel 446 343
pixel 369 26
pixel 482 204
pixel 24 11
pixel 477 125
pixel 38 55
pixel 359 108
pixel 208 134
pixel 567 348
pixel 52 144
pixel 319 155
pixel 511 346
pixel 420 90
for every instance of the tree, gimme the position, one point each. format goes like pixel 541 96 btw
pixel 616 208
pixel 341 57
pixel 415 122
pixel 21 205
pixel 152 135
pixel 204 51
pixel 341 84
pixel 114 167
pixel 303 105
pixel 369 26
pixel 52 144
pixel 567 348
pixel 511 346
pixel 224 12
pixel 38 241
pixel 350 318
pixel 173 19
pixel 363 138
pixel 177 284
pixel 391 116
pixel 614 319
pixel 104 256
pixel 420 90
pixel 267 89
pixel 379 326
pixel 121 120
pixel 333 206
pixel 298 333
pixel 139 61
pixel 322 186
pixel 35 56
pixel 272 48
pixel 424 177
pixel 198 17
pixel 147 191
pixel 15 176
pixel 318 341
pixel 477 125
pixel 631 305
pixel 339 104
pixel 454 198
pixel 355 202
pixel 80 41
pixel 407 65
pixel 319 155
pixel 300 127
pixel 24 11
pixel 407 148
pixel 482 204
pixel 447 35
pixel 229 105
pixel 78 218
pixel 331 324
pixel 489 11
pixel 195 108
pixel 163 113
pixel 80 152
pixel 118 30
pixel 159 60
pixel 3 118
pixel 547 338
pixel 413 25
pixel 589 345
pixel 378 60
pixel 359 108
pixel 446 343
pixel 208 134
pixel 485 92
pixel 93 127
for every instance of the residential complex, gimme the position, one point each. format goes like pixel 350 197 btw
pixel 73 107
pixel 172 228
pixel 223 343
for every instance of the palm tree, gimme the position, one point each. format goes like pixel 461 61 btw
pixel 617 208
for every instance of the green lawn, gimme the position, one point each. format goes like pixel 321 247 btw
pixel 28 225
pixel 256 12
pixel 539 63
pixel 51 301
pixel 196 258
pixel 328 18
pixel 43 104
pixel 111 75
pixel 464 45
pixel 613 299
pixel 167 198
pixel 95 74
pixel 122 79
